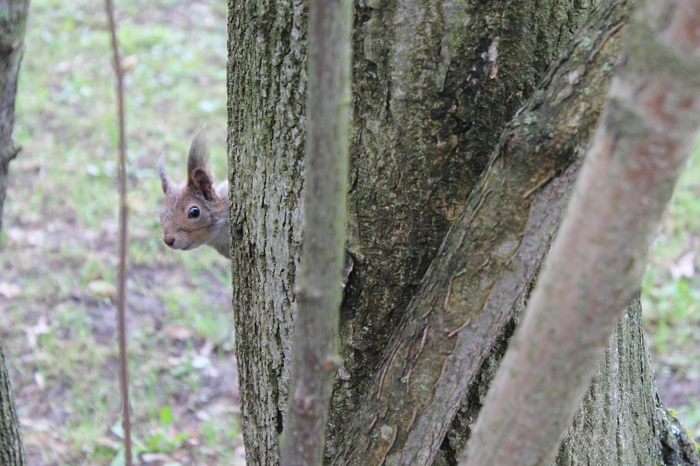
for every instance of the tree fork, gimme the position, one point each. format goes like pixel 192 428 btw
pixel 488 258
pixel 646 134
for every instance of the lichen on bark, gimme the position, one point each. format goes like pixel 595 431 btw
pixel 434 84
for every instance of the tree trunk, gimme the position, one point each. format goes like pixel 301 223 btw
pixel 267 91
pixel 643 141
pixel 12 24
pixel 434 85
pixel 11 449
pixel 622 420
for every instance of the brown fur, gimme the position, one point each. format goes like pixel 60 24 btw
pixel 180 229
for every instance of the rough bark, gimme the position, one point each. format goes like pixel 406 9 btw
pixel 409 179
pixel 644 139
pixel 267 76
pixel 621 420
pixel 434 83
pixel 13 20
pixel 487 260
pixel 11 449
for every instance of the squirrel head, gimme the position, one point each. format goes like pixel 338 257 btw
pixel 196 212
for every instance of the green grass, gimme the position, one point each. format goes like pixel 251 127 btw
pixel 672 304
pixel 60 238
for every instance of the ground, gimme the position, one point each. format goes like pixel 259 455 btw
pixel 671 301
pixel 58 253
pixel 59 249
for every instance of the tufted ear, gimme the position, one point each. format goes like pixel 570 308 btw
pixel 201 181
pixel 199 176
pixel 164 180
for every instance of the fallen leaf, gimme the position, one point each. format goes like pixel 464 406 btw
pixel 31 336
pixel 101 289
pixel 42 326
pixel 35 237
pixel 200 362
pixel 177 332
pixel 207 347
pixel 39 379
pixel 203 415
pixel 10 290
pixel 154 457
pixel 684 267
pixel 192 442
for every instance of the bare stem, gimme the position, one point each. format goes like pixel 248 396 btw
pixel 319 291
pixel 121 285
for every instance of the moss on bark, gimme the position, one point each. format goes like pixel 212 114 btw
pixel 434 84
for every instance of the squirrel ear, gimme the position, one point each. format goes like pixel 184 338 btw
pixel 199 155
pixel 164 180
pixel 201 181
pixel 199 177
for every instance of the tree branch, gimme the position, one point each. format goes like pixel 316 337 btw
pixel 319 290
pixel 487 259
pixel 648 128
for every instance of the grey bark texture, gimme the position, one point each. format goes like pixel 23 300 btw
pixel 11 448
pixel 487 260
pixel 643 141
pixel 267 92
pixel 434 85
pixel 13 20
pixel 621 420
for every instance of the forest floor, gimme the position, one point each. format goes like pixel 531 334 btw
pixel 671 301
pixel 59 246
pixel 58 250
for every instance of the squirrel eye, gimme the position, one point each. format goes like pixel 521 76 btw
pixel 193 213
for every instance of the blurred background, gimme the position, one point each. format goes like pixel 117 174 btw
pixel 58 259
pixel 58 252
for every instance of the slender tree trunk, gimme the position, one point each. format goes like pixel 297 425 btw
pixel 13 19
pixel 11 449
pixel 434 85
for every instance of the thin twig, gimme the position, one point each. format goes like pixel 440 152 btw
pixel 121 286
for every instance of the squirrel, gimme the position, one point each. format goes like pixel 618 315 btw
pixel 196 212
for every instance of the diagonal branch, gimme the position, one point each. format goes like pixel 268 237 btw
pixel 647 131
pixel 488 258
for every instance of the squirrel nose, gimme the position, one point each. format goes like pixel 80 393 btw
pixel 169 240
